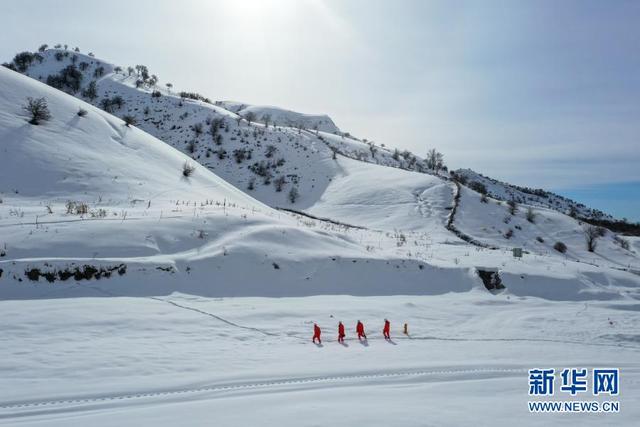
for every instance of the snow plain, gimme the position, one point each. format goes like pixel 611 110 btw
pixel 189 360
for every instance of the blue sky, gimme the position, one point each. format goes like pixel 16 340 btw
pixel 539 93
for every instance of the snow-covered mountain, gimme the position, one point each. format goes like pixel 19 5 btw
pixel 85 190
pixel 280 150
pixel 267 161
pixel 381 204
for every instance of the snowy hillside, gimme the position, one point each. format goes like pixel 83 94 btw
pixel 89 190
pixel 378 201
pixel 266 161
pixel 281 117
pixel 529 196
pixel 536 229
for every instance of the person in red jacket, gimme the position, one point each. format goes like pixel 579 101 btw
pixel 316 334
pixel 341 334
pixel 385 330
pixel 360 330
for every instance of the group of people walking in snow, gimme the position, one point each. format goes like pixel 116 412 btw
pixel 386 332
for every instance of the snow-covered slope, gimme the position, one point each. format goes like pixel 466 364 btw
pixel 266 161
pixel 535 197
pixel 281 117
pixel 91 191
pixel 535 229
pixel 367 216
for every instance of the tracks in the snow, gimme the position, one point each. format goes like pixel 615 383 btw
pixel 85 403
pixel 221 319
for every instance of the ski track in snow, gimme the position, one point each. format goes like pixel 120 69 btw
pixel 221 319
pixel 80 403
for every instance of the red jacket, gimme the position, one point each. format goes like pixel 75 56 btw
pixel 387 325
pixel 341 329
pixel 360 328
pixel 316 330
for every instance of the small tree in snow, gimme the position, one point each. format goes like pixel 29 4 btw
pixel 38 109
pixel 434 160
pixel 293 194
pixel 591 236
pixel 198 129
pixel 129 121
pixel 91 91
pixel 266 119
pixel 513 206
pixel 23 60
pixel 249 117
pixel 188 169
pixel 279 183
pixel 531 215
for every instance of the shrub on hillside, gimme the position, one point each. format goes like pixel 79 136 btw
pixel 10 66
pixel 70 78
pixel 188 169
pixel 623 243
pixel 279 183
pixel 293 194
pixel 23 60
pixel 129 121
pixel 531 215
pixel 560 247
pixel 198 129
pixel 38 110
pixel 478 186
pixel 270 151
pixel 91 91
